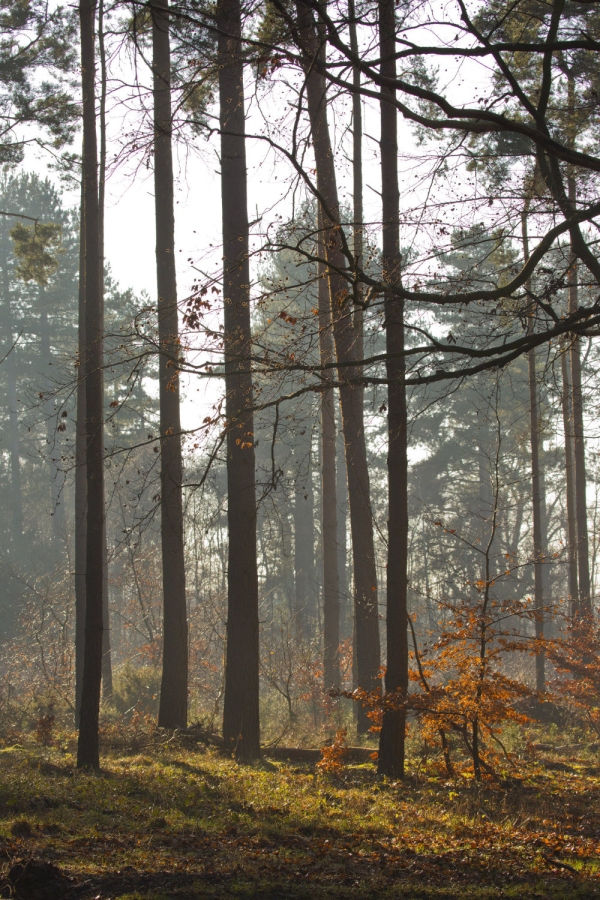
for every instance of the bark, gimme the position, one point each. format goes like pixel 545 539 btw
pixel 107 681
pixel 391 741
pixel 366 615
pixel 88 744
pixel 241 727
pixel 536 491
pixel 569 483
pixel 80 476
pixel 174 684
pixel 329 526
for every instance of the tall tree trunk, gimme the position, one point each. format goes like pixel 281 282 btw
pixel 241 726
pixel 80 473
pixel 57 478
pixel 584 597
pixel 107 681
pixel 536 483
pixel 366 613
pixel 304 554
pixel 584 606
pixel 88 746
pixel 357 190
pixel 569 482
pixel 391 741
pixel 329 512
pixel 13 416
pixel 174 684
pixel 341 482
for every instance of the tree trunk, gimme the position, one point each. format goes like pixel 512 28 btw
pixel 391 741
pixel 536 496
pixel 80 474
pixel 357 190
pixel 329 526
pixel 569 482
pixel 174 684
pixel 88 748
pixel 13 416
pixel 304 554
pixel 366 614
pixel 107 682
pixel 584 605
pixel 241 727
pixel 341 483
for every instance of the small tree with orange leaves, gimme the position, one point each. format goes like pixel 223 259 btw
pixel 465 686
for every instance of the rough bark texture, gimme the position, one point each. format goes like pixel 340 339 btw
pixel 88 745
pixel 366 614
pixel 391 740
pixel 241 729
pixel 174 684
pixel 329 526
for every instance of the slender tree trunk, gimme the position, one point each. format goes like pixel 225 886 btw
pixel 174 684
pixel 583 563
pixel 107 681
pixel 366 613
pixel 88 745
pixel 346 614
pixel 329 526
pixel 57 478
pixel 357 191
pixel 536 495
pixel 304 555
pixel 13 416
pixel 241 726
pixel 569 482
pixel 391 741
pixel 80 475
pixel 583 605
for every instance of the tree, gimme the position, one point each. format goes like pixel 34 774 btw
pixel 241 727
pixel 366 631
pixel 88 743
pixel 34 42
pixel 391 743
pixel 174 685
pixel 329 506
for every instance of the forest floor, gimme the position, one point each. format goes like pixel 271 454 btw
pixel 170 821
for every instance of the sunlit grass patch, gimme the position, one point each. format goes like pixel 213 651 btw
pixel 186 823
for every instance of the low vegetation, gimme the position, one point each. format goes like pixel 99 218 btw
pixel 174 819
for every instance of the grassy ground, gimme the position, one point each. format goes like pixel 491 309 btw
pixel 179 822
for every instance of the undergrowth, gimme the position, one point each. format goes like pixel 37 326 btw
pixel 170 820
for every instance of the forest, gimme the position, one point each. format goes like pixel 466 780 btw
pixel 299 454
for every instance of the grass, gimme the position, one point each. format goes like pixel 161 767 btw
pixel 179 822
